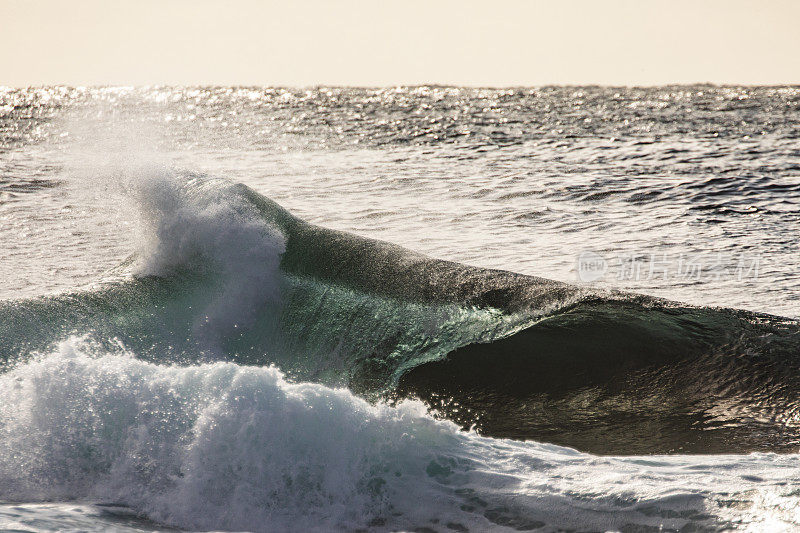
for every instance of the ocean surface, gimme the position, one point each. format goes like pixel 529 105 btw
pixel 400 309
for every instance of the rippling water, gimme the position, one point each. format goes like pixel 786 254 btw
pixel 522 179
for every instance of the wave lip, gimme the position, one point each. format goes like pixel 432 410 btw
pixel 616 376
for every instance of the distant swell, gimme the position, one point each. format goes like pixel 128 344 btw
pixel 229 274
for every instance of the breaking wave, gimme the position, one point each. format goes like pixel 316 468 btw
pixel 225 274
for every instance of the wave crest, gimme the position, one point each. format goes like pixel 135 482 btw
pixel 204 225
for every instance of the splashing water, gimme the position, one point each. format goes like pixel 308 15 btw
pixel 202 228
pixel 220 446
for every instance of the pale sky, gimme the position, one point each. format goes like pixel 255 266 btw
pixel 378 43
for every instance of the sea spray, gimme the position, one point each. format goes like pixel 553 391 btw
pixel 196 226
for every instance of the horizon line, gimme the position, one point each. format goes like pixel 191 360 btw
pixel 401 85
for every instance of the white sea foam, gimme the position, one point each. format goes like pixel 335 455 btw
pixel 221 446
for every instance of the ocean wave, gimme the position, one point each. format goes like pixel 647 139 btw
pixel 227 274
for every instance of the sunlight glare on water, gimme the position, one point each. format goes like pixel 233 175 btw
pixel 524 180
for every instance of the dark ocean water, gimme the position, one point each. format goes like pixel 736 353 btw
pixel 182 350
